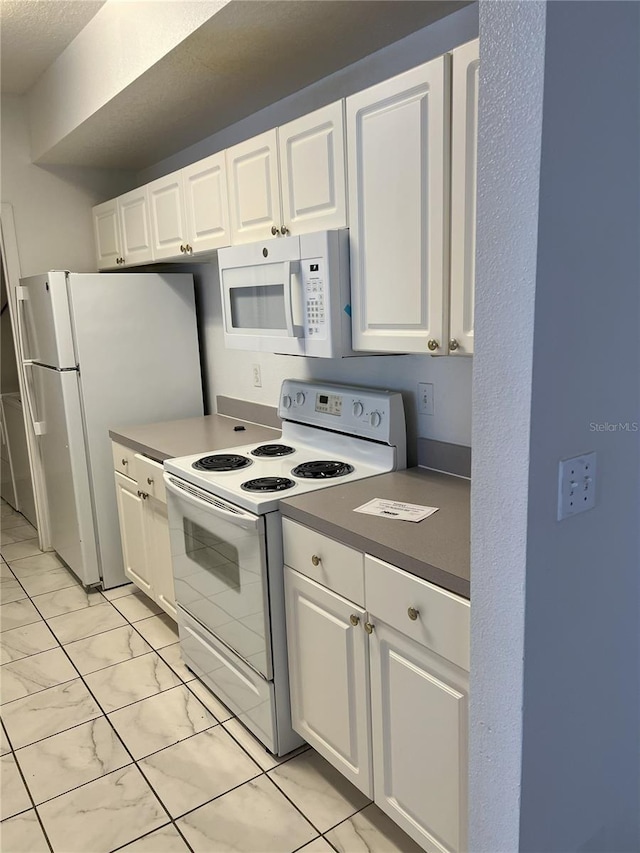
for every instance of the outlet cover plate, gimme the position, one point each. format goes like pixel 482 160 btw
pixel 425 398
pixel 576 485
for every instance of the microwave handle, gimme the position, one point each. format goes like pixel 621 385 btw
pixel 291 268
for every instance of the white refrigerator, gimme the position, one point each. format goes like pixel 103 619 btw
pixel 101 350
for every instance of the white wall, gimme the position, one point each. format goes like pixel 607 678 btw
pixel 581 722
pixel 51 207
pixel 510 123
pixel 555 655
pixel 230 372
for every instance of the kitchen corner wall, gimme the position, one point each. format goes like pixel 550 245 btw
pixel 51 206
pixel 229 372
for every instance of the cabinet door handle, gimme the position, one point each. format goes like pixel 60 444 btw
pixel 316 560
pixel 274 230
pixel 453 344
pixel 189 248
pixel 433 345
pixel 149 481
pixel 413 613
pixel 283 230
pixel 142 495
pixel 368 627
pixel 125 461
pixel 183 249
pixel 354 619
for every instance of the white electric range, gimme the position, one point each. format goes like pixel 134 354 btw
pixel 226 539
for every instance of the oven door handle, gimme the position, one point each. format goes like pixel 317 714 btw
pixel 210 504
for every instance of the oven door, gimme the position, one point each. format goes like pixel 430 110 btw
pixel 220 570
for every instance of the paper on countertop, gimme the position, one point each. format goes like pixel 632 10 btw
pixel 396 510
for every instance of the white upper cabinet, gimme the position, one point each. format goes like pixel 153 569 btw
pixel 106 231
pixel 122 230
pixel 290 180
pixel 398 165
pixel 168 221
pixel 135 231
pixel 190 210
pixel 312 171
pixel 464 134
pixel 254 191
pixel 207 204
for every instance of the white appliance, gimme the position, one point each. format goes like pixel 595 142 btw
pixel 226 539
pixel 289 295
pixel 101 350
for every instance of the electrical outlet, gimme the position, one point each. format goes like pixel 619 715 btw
pixel 576 485
pixel 257 376
pixel 425 398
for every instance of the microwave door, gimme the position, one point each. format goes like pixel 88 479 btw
pixel 262 306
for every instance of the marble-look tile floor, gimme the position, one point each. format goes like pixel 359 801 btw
pixel 110 743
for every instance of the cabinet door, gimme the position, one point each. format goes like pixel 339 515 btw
pixel 464 145
pixel 207 203
pixel 133 215
pixel 254 192
pixel 131 517
pixel 159 547
pixel 419 710
pixel 106 230
pixel 398 144
pixel 312 170
pixel 168 223
pixel 328 674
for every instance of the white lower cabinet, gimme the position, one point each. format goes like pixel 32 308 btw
pixel 329 676
pixel 144 526
pixel 419 704
pixel 380 688
pixel 131 517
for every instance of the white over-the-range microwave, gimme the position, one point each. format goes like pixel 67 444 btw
pixel 288 295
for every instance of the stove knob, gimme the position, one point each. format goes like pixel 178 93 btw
pixel 375 419
pixel 300 398
pixel 286 401
pixel 358 409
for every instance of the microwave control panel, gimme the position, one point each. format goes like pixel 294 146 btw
pixel 314 288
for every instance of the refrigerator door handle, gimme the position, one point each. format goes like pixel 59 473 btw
pixel 39 427
pixel 22 296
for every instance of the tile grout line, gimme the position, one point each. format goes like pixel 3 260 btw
pixel 28 790
pixel 134 761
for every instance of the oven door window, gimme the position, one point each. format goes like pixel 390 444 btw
pixel 219 565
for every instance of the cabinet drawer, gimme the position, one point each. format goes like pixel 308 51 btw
pixel 442 621
pixel 123 459
pixel 338 567
pixel 149 476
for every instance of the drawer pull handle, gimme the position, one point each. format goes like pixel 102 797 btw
pixel 315 560
pixel 368 627
pixel 150 481
pixel 125 461
pixel 355 620
pixel 413 613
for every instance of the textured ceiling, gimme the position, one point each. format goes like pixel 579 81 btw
pixel 33 33
pixel 249 54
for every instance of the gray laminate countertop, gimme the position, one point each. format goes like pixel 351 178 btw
pixel 435 549
pixel 168 439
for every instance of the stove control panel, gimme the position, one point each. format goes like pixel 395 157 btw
pixel 356 411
